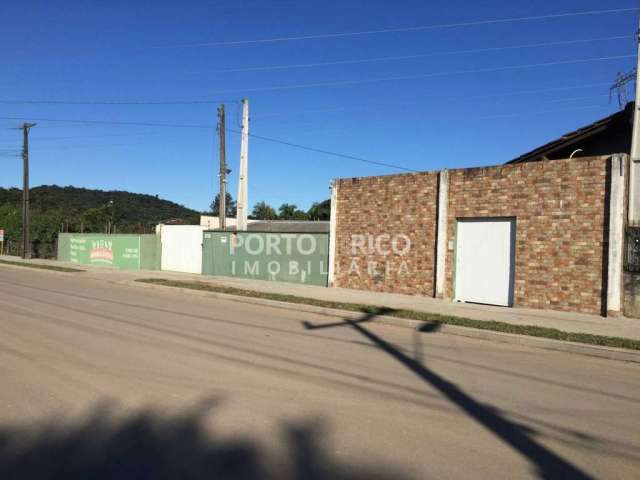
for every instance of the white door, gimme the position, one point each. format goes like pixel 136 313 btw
pixel 485 255
pixel 182 248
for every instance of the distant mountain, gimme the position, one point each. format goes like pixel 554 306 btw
pixel 73 202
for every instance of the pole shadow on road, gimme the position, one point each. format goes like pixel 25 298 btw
pixel 548 465
pixel 150 445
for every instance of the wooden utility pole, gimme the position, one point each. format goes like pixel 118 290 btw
pixel 26 242
pixel 243 174
pixel 222 202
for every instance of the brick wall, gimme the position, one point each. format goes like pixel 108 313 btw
pixel 561 213
pixel 561 227
pixel 401 206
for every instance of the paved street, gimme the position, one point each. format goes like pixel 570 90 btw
pixel 110 381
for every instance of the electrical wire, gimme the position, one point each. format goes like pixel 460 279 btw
pixel 427 75
pixel 110 145
pixel 96 136
pixel 113 102
pixel 419 55
pixel 108 122
pixel 273 140
pixel 468 97
pixel 405 29
pixel 339 83
pixel 540 112
pixel 325 152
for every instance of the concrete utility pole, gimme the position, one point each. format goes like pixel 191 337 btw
pixel 243 194
pixel 222 202
pixel 634 169
pixel 26 242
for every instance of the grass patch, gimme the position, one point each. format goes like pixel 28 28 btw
pixel 41 266
pixel 433 318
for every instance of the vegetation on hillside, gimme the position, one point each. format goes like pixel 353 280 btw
pixel 70 209
pixel 123 208
pixel 54 209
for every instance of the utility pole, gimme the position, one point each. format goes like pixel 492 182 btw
pixel 111 206
pixel 26 242
pixel 634 168
pixel 222 199
pixel 243 197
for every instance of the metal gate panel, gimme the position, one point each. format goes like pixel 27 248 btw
pixel 485 260
pixel 182 248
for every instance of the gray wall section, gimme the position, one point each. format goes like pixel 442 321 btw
pixel 282 257
pixel 64 250
pixel 632 294
pixel 150 252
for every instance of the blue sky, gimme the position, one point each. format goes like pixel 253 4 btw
pixel 152 51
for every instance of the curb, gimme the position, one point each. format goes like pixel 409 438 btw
pixel 45 270
pixel 609 353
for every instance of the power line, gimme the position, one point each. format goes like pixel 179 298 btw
pixel 540 112
pixel 110 145
pixel 191 144
pixel 282 142
pixel 405 29
pixel 419 55
pixel 198 126
pixel 113 102
pixel 312 149
pixel 108 122
pixel 427 75
pixel 467 97
pixel 325 152
pixel 73 137
pixel 331 84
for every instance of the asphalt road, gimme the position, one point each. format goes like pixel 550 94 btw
pixel 99 380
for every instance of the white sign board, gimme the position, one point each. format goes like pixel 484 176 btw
pixel 1 235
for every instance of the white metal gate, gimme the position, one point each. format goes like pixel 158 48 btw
pixel 485 260
pixel 182 248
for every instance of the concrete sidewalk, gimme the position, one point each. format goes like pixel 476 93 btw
pixel 569 322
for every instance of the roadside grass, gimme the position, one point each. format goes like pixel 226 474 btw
pixel 41 266
pixel 431 318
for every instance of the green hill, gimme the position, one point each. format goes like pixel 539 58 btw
pixel 73 209
pixel 128 207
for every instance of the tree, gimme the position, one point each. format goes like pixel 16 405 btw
pixel 95 219
pixel 128 208
pixel 320 210
pixel 230 206
pixel 263 211
pixel 290 211
pixel 11 223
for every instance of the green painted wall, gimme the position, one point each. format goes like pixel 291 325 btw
pixel 130 252
pixel 281 257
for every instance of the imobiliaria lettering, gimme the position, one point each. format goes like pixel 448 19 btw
pixel 101 251
pixel 276 250
pixel 378 255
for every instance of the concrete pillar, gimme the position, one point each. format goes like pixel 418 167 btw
pixel 441 239
pixel 332 232
pixel 242 201
pixel 617 189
